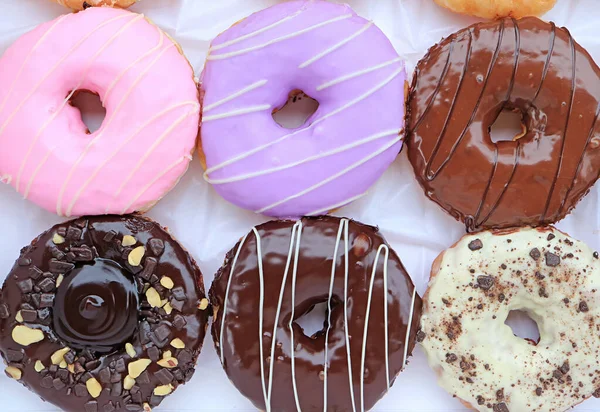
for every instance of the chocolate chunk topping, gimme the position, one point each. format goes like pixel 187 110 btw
pixel 153 353
pixel 29 315
pixel 565 367
pixel 91 406
pixel 74 233
pixel 46 285
pixel 501 297
pixel 178 293
pixel 550 236
pixel 164 376
pixel 475 244
pixel 420 336
pixel 480 400
pixel 552 259
pixel 595 255
pixel 538 391
pixel 596 393
pixel 80 390
pixel 26 285
pixel 24 262
pixel 46 300
pixel 14 355
pixel 179 322
pixel 500 407
pixel 583 307
pixel 58 267
pixel 451 357
pixel 535 253
pixel 157 247
pixel 485 282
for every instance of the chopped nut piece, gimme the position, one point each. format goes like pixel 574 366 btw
pixel 167 354
pixel 59 356
pixel 147 407
pixel 130 350
pixel 136 255
pixel 168 308
pixel 19 317
pixel 168 363
pixel 177 343
pixel 59 280
pixel 39 366
pixel 63 364
pixel 13 372
pixel 136 368
pixel 128 382
pixel 167 282
pixel 71 368
pixel 94 388
pixel 203 304
pixel 163 390
pixel 128 240
pixel 25 335
pixel 58 239
pixel 153 298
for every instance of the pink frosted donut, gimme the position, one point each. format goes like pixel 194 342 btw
pixel 144 144
pixel 334 56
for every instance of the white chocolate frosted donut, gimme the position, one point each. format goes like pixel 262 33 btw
pixel 145 142
pixel 475 285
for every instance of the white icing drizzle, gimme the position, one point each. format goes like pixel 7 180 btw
pixel 410 318
pixel 332 177
pixel 336 205
pixel 255 33
pixel 135 62
pixel 237 254
pixel 316 122
pixel 53 69
pixel 151 149
pixel 290 325
pixel 238 112
pixel 277 40
pixel 68 98
pixel 33 49
pixel 347 335
pixel 357 74
pixel 123 143
pixel 337 150
pixel 367 318
pixel 297 228
pixel 261 307
pixel 235 95
pixel 333 267
pixel 105 126
pixel 335 46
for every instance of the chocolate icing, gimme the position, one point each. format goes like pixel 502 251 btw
pixel 459 89
pixel 237 292
pixel 100 305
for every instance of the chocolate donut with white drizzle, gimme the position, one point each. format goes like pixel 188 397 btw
pixel 278 273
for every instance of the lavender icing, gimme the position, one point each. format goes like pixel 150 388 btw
pixel 340 59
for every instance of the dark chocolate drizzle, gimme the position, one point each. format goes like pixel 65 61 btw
pixel 237 291
pixel 99 306
pixel 534 180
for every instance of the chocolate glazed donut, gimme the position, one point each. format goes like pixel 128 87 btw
pixel 278 273
pixel 459 89
pixel 103 314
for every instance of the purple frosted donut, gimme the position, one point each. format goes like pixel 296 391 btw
pixel 334 56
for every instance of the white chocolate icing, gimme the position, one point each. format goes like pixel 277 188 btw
pixel 476 355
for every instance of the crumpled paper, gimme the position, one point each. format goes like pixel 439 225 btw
pixel 208 226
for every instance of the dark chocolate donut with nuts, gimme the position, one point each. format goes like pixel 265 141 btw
pixel 103 314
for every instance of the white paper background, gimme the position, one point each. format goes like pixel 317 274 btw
pixel 208 226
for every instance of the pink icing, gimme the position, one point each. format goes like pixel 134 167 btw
pixel 340 59
pixel 144 144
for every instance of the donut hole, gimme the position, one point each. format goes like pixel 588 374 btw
pixel 296 111
pixel 314 321
pixel 508 126
pixel 523 326
pixel 91 109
